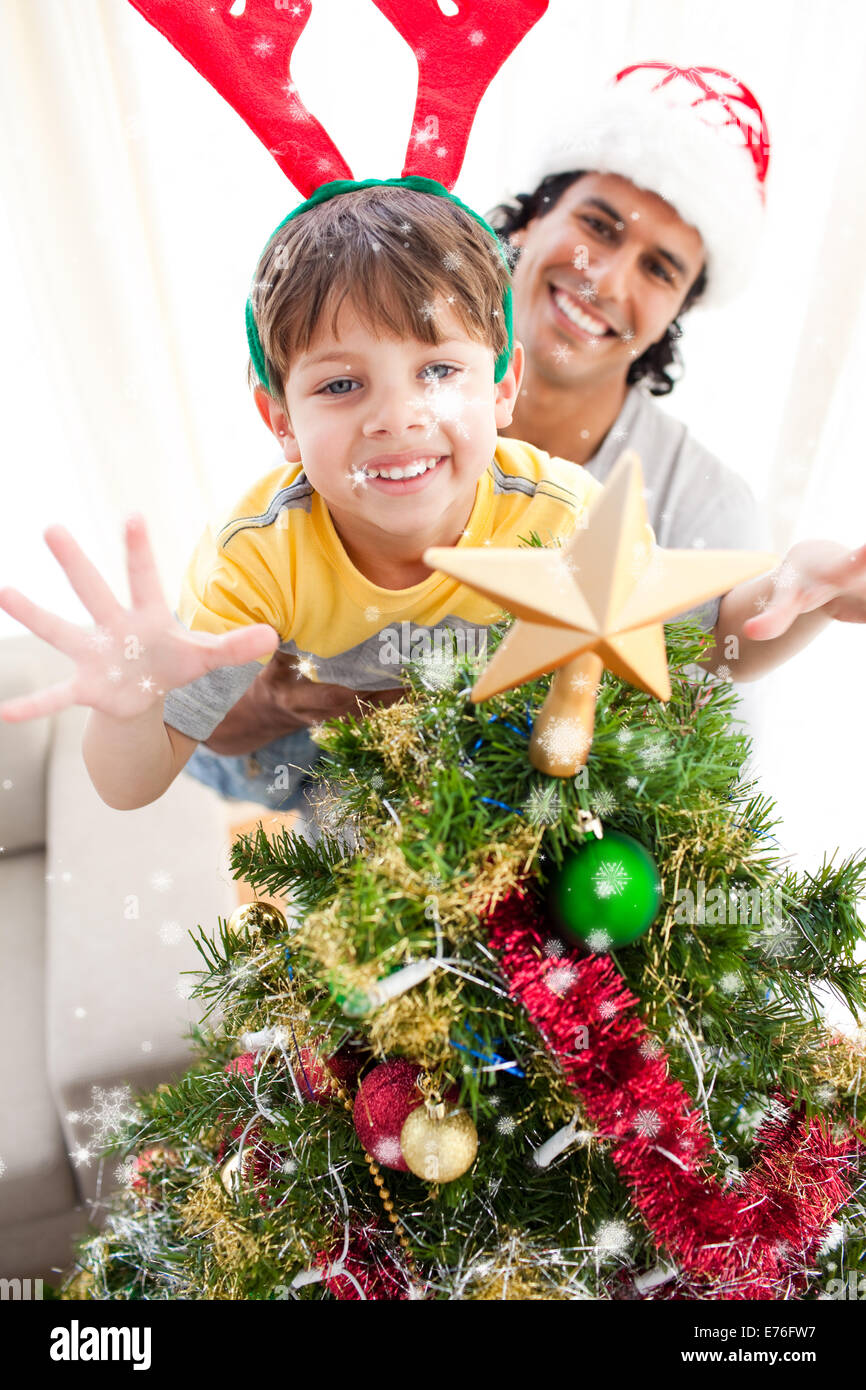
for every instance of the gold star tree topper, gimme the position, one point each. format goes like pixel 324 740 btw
pixel 598 601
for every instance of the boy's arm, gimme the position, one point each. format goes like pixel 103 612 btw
pixel 133 761
pixel 123 668
pixel 765 621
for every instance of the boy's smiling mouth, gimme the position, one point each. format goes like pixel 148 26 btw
pixel 403 472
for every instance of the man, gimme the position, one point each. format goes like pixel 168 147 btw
pixel 648 208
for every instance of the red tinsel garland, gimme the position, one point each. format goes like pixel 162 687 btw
pixel 749 1242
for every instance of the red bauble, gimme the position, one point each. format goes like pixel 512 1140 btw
pixel 386 1097
pixel 156 1156
pixel 244 1066
pixel 314 1074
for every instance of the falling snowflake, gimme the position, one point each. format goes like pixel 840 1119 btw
pixel 161 881
pixel 787 576
pixel 114 674
pixel 506 1124
pixel 147 683
pixel 731 983
pixel 100 638
pixel 562 352
pixel 599 940
pixel 560 980
pixel 305 666
pixel 110 1111
pixel 580 681
pixel 81 1157
pixel 609 880
pixel 437 669
pixel 608 1009
pixel 170 933
pixel 184 987
pixel 377 781
pixel 443 403
pixel 723 673
pixel 647 1123
pixel 452 261
pixel 627 337
pixel 826 1094
pixel 2 1166
pixel 428 309
pixel 387 1150
pixel 612 1238
pixel 126 1172
pixel 564 740
pixel 603 802
pixel 358 476
pixel 624 736
pixel 650 1048
pixel 543 806
pixel 288 1166
pixel 477 37
pixel 8 784
pixel 263 46
pixel 632 783
pixel 553 949
pixel 656 752
pixel 372 614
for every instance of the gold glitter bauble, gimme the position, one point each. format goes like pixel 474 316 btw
pixel 254 918
pixel 439 1143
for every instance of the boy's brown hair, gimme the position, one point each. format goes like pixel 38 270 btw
pixel 391 252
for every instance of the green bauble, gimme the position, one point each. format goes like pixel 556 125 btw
pixel 608 893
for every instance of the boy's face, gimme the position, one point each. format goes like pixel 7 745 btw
pixel 362 406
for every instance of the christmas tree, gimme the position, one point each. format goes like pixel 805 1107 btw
pixel 492 1034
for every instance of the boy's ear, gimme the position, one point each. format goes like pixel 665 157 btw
pixel 507 390
pixel 278 423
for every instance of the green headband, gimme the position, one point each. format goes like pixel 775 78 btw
pixel 332 190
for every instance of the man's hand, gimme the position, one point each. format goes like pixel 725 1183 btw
pixel 280 701
pixel 125 665
pixel 814 575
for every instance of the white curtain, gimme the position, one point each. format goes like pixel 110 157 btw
pixel 136 203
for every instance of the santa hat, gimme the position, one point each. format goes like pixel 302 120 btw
pixel 695 136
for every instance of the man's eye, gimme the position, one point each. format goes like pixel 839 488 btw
pixel 341 387
pixel 437 371
pixel 597 226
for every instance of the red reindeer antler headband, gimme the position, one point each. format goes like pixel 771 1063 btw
pixel 244 50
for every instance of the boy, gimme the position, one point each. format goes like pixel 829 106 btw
pixel 380 315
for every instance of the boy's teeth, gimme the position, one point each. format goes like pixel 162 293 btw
pixel 570 309
pixel 412 470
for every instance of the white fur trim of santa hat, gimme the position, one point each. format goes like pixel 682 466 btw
pixel 704 171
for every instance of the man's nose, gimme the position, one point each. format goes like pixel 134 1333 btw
pixel 611 274
pixel 394 410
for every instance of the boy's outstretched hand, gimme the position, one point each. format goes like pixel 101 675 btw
pixel 127 663
pixel 814 575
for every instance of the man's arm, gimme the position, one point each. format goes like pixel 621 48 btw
pixel 281 701
pixel 765 621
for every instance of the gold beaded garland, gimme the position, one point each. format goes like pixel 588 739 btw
pixel 439 1143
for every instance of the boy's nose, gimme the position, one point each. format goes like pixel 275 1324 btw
pixel 395 412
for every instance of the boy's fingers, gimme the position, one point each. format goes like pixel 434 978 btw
pixel 247 644
pixel 66 637
pixel 84 577
pixel 145 589
pixel 48 701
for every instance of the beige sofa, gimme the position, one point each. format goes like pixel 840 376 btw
pixel 95 907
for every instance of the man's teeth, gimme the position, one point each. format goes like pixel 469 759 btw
pixel 576 315
pixel 412 470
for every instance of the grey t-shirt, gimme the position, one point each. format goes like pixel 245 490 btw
pixel 692 499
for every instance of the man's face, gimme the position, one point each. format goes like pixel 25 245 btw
pixel 600 277
pixel 362 406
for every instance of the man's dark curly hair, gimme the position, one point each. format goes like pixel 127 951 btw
pixel 653 365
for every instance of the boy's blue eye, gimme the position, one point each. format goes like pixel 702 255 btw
pixel 341 387
pixel 437 371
